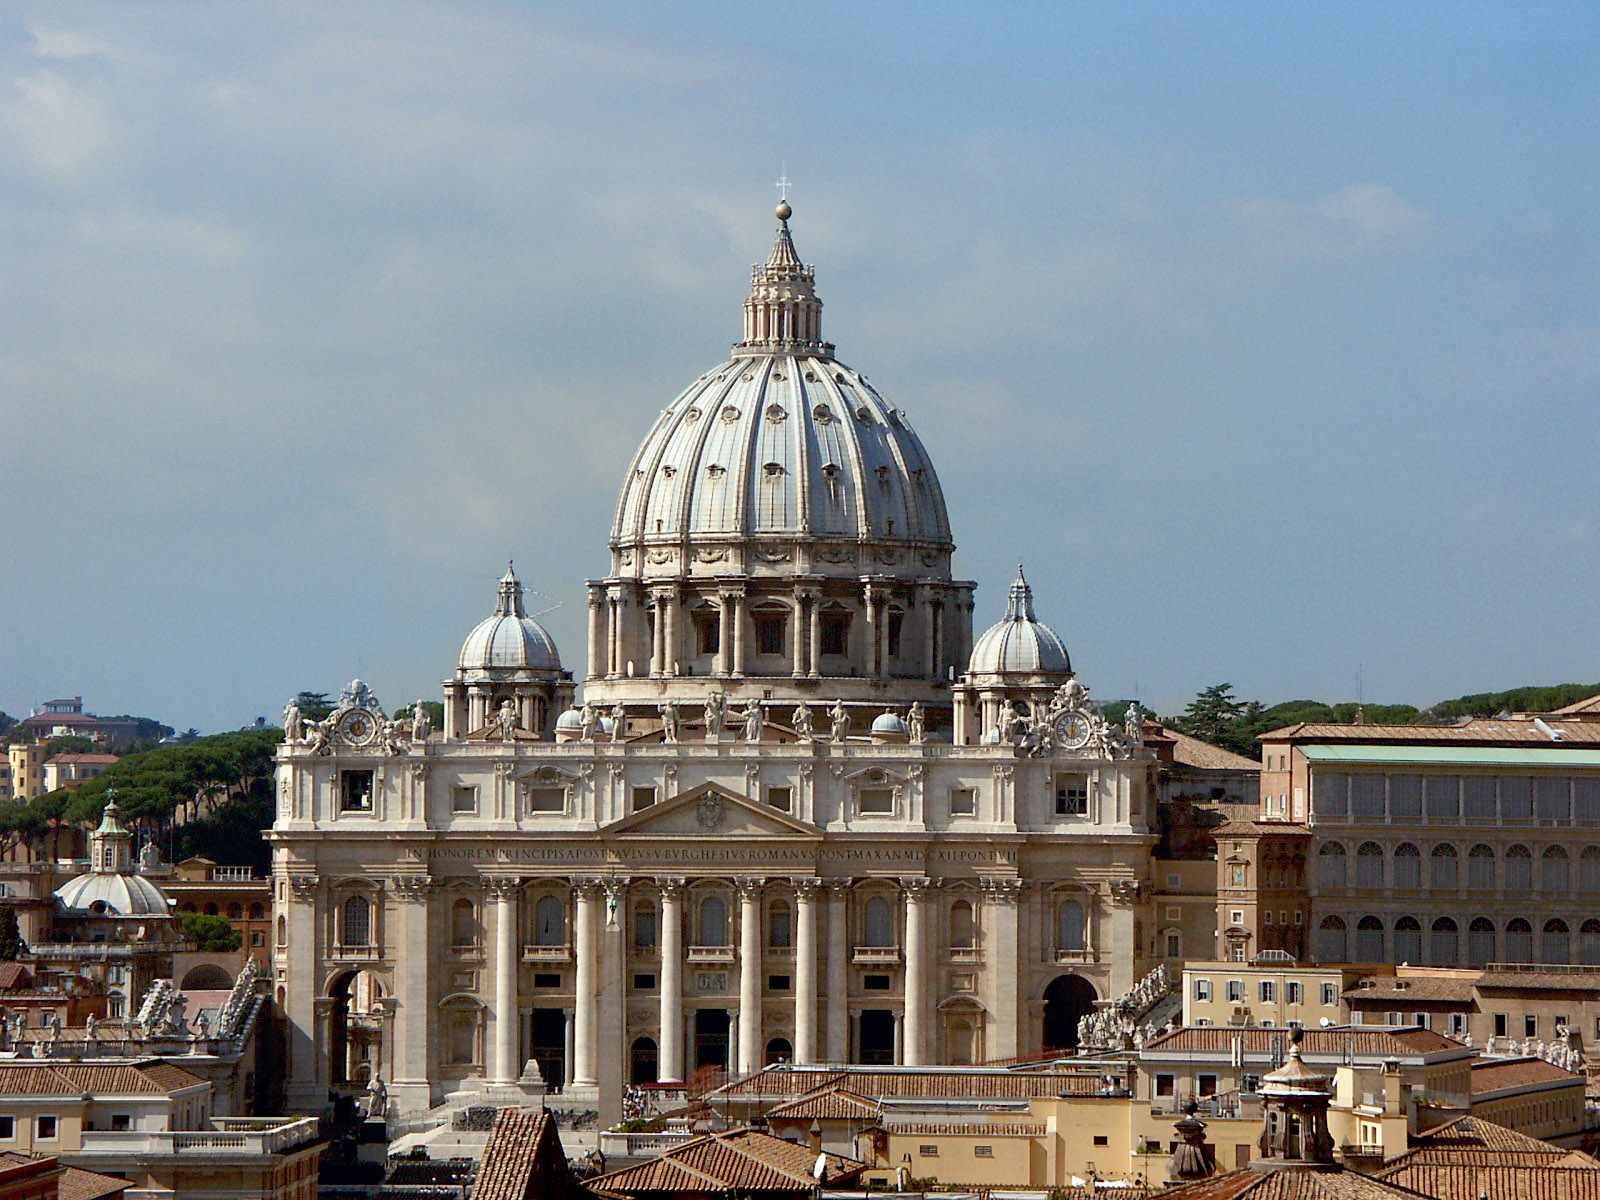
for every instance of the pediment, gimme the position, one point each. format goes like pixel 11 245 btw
pixel 710 811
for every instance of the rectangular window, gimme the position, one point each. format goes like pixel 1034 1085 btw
pixel 875 983
pixel 121 1122
pixel 45 1128
pixel 835 633
pixel 547 799
pixel 1101 1139
pixel 1235 989
pixel 877 800
pixel 1164 1085
pixel 964 802
pixel 1500 1025
pixel 983 1152
pixel 707 633
pixel 643 797
pixel 1444 797
pixel 1202 989
pixel 463 799
pixel 1293 993
pixel 1458 1025
pixel 1174 945
pixel 777 983
pixel 1266 916
pixel 8 1128
pixel 769 633
pixel 1330 795
pixel 780 931
pixel 1250 1084
pixel 1405 796
pixel 644 928
pixel 1330 994
pixel 547 979
pixel 1072 795
pixel 1236 917
pixel 781 798
pixel 1208 1085
pixel 256 939
pixel 355 791
pixel 644 983
pixel 1530 1025
pixel 930 1150
pixel 1269 992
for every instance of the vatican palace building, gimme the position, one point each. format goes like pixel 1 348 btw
pixel 799 812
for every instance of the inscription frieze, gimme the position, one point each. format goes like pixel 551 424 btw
pixel 719 853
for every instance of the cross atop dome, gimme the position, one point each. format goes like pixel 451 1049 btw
pixel 783 313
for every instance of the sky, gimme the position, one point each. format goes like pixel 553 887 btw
pixel 1266 335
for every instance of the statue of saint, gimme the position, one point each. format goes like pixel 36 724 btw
pixel 590 724
pixel 716 714
pixel 421 723
pixel 619 722
pixel 508 720
pixel 1133 725
pixel 802 723
pixel 841 720
pixel 377 1098
pixel 291 723
pixel 753 722
pixel 669 721
pixel 916 721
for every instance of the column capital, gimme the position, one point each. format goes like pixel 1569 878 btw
pixel 1002 891
pixel 412 889
pixel 918 887
pixel 750 888
pixel 587 887
pixel 502 887
pixel 672 887
pixel 807 889
pixel 839 888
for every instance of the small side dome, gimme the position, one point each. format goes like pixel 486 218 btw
pixel 1020 644
pixel 890 723
pixel 570 721
pixel 510 639
pixel 114 895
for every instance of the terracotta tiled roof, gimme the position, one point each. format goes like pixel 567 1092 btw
pixel 152 1078
pixel 1240 828
pixel 77 1184
pixel 742 1159
pixel 933 1129
pixel 1290 1183
pixel 1389 987
pixel 1509 1074
pixel 1546 981
pixel 1444 1182
pixel 834 1104
pixel 14 975
pixel 1314 1042
pixel 1580 707
pixel 978 1085
pixel 1191 751
pixel 1475 1141
pixel 1481 730
pixel 524 1160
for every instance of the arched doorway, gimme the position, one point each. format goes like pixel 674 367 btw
pixel 1067 1000
pixel 355 1028
pixel 207 977
pixel 643 1065
pixel 711 1038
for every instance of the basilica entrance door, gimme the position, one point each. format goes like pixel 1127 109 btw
pixel 1067 1000
pixel 711 1038
pixel 549 1047
pixel 877 1037
pixel 355 1029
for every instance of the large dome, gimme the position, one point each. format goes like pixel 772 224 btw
pixel 781 445
pixel 1020 644
pixel 509 638
pixel 118 895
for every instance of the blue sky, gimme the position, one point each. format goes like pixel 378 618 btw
pixel 1266 335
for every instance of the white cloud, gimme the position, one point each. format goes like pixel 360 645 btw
pixel 62 127
pixel 1358 220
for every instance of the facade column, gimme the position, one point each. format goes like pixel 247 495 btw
pixel 505 892
pixel 671 653
pixel 797 635
pixel 308 1079
pixel 412 1033
pixel 750 975
pixel 597 631
pixel 838 971
pixel 814 636
pixel 724 634
pixel 738 635
pixel 1124 899
pixel 671 1049
pixel 587 952
pixel 916 996
pixel 658 637
pixel 571 1065
pixel 613 637
pixel 1003 965
pixel 871 609
pixel 805 971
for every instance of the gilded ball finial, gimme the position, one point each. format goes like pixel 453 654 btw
pixel 783 210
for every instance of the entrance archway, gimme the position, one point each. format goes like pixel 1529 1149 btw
pixel 877 1037
pixel 1067 1000
pixel 550 1046
pixel 355 1028
pixel 711 1038
pixel 207 977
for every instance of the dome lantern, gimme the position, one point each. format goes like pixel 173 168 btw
pixel 782 311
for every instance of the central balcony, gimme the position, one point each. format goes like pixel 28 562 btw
pixel 710 954
pixel 877 956
pixel 547 954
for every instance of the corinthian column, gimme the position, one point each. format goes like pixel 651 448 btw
pixel 838 971
pixel 671 1062
pixel 1002 966
pixel 504 893
pixel 916 998
pixel 411 983
pixel 749 975
pixel 587 952
pixel 805 971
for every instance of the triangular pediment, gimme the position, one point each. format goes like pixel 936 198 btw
pixel 710 811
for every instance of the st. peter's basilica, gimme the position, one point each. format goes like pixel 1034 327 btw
pixel 799 813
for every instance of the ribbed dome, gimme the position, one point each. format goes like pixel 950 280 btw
pixel 782 441
pixel 510 638
pixel 123 895
pixel 1020 644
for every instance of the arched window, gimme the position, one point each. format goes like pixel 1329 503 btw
pixel 235 912
pixel 549 922
pixel 1330 940
pixel 1369 865
pixel 1555 946
pixel 1442 862
pixel 780 929
pixel 1589 943
pixel 779 1051
pixel 1408 940
pixel 877 923
pixel 257 912
pixel 357 922
pixel 1589 870
pixel 713 922
pixel 1480 942
pixel 1519 869
pixel 1445 942
pixel 283 931
pixel 211 910
pixel 463 923
pixel 643 1065
pixel 961 930
pixel 1407 866
pixel 1369 940
pixel 644 926
pixel 1330 865
pixel 1519 941
pixel 1480 868
pixel 1555 871
pixel 1069 925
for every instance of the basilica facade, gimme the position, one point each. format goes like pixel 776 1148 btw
pixel 798 813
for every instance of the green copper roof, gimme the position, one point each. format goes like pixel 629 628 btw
pixel 1488 756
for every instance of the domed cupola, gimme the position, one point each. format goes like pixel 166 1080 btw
pixel 780 521
pixel 1019 644
pixel 508 658
pixel 109 889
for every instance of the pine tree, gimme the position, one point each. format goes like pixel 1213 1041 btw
pixel 11 944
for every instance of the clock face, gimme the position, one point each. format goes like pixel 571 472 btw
pixel 357 727
pixel 1072 731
